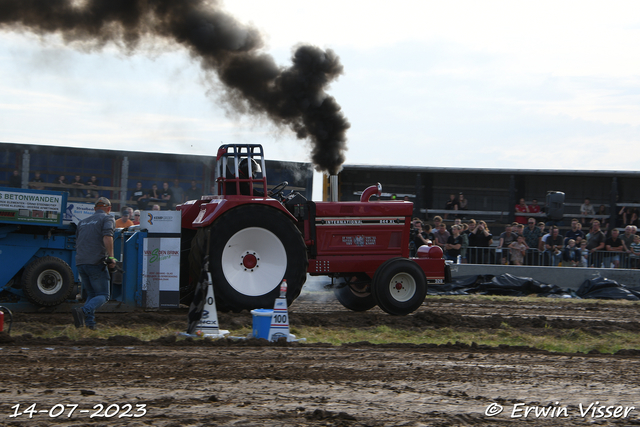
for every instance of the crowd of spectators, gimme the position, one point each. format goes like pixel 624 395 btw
pixel 154 198
pixel 532 243
pixel 163 198
pixel 77 187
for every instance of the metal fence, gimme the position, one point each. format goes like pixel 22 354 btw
pixel 534 257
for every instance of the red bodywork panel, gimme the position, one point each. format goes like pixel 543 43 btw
pixel 353 237
pixel 201 213
pixel 372 228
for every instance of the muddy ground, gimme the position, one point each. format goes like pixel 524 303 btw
pixel 250 383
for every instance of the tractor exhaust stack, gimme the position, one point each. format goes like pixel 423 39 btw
pixel 333 188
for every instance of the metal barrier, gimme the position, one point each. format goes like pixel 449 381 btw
pixel 534 257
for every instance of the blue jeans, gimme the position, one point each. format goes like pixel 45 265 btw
pixel 555 259
pixel 95 281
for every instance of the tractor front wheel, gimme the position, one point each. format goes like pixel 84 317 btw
pixel 399 286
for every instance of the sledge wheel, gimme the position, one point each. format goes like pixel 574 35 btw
pixel 47 281
pixel 399 286
pixel 254 247
pixel 354 295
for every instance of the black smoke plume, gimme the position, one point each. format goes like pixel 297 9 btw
pixel 291 96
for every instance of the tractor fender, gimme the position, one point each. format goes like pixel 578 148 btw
pixel 214 208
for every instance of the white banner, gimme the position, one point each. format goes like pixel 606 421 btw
pixel 161 221
pixel 161 271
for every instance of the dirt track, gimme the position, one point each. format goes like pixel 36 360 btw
pixel 249 383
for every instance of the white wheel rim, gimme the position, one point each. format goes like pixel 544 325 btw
pixel 402 287
pixel 265 250
pixel 50 282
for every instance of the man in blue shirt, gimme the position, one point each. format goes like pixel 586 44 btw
pixel 94 253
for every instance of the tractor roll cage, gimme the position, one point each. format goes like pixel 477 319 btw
pixel 239 152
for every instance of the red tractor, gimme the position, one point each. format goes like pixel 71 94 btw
pixel 254 238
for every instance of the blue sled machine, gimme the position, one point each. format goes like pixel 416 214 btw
pixel 37 254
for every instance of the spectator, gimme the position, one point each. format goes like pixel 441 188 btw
pixel 462 202
pixel 15 181
pixel 442 236
pixel 584 254
pixel 571 255
pixel 534 207
pixel 124 221
pixel 429 231
pixel 437 220
pixel 465 242
pixel 154 194
pixel 553 246
pixel 635 252
pixel 532 233
pixel 62 180
pixel 627 236
pixel 177 193
pixel 602 212
pixel 470 227
pixel 93 184
pixel 76 191
pixel 454 244
pixel 629 214
pixel 614 244
pixel 451 205
pixel 506 238
pixel 518 250
pixel 522 208
pixel 37 178
pixel 480 238
pixel 575 233
pixel 419 236
pixel 518 229
pixel 543 239
pixel 155 208
pixel 139 196
pixel 193 193
pixel 136 217
pixel 595 242
pixel 586 211
pixel 166 194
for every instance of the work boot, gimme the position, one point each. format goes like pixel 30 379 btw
pixel 78 317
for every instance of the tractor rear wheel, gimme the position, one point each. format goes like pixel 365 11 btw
pixel 47 281
pixel 355 296
pixel 399 286
pixel 252 248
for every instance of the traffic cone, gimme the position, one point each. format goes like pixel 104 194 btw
pixel 279 327
pixel 208 325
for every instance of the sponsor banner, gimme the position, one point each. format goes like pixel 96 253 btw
pixel 77 211
pixel 161 221
pixel 31 206
pixel 161 272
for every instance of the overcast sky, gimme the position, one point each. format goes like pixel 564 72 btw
pixel 511 84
